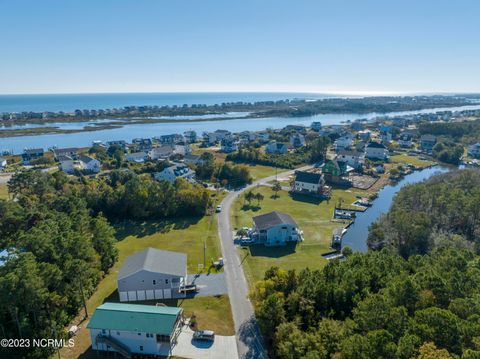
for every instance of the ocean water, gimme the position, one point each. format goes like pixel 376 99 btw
pixel 72 102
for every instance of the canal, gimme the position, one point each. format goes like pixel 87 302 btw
pixel 356 236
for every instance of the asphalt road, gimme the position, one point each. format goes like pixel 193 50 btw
pixel 249 339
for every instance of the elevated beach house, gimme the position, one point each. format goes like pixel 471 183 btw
pixel 130 329
pixel 275 228
pixel 152 274
pixel 177 170
pixel 376 151
pixel 309 183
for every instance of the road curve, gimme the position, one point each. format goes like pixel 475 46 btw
pixel 249 339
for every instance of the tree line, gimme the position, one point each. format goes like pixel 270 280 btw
pixel 444 209
pixel 374 305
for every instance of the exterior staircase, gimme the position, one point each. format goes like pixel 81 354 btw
pixel 115 344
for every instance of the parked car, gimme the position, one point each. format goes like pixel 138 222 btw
pixel 207 335
pixel 218 209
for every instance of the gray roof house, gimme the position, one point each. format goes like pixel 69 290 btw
pixel 310 183
pixel 275 228
pixel 152 274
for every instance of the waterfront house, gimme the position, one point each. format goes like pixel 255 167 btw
pixel 209 139
pixel 474 150
pixel 69 151
pixel 353 158
pixel 310 183
pixel 30 154
pixel 376 151
pixel 316 126
pixel 120 143
pixel 190 136
pixel 247 136
pixel 130 329
pixel 142 144
pixel 170 139
pixel 138 157
pixel 221 134
pixel 427 142
pixel 152 274
pixel 177 170
pixel 90 164
pixel 405 140
pixel 276 148
pixel 335 172
pixel 275 228
pixel 297 140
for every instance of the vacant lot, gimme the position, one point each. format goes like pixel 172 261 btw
pixel 410 160
pixel 313 217
pixel 3 191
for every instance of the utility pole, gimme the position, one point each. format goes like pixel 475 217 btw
pixel 83 298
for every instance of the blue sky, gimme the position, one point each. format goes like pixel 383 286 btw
pixel 356 46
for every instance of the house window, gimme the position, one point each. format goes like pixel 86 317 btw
pixel 154 282
pixel 141 348
pixel 139 333
pixel 166 281
pixel 118 333
pixel 104 331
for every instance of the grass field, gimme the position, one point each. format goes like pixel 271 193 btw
pixel 260 171
pixel 187 236
pixel 410 160
pixel 3 191
pixel 312 217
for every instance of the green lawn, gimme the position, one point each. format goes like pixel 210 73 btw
pixel 411 160
pixel 186 235
pixel 260 171
pixel 312 217
pixel 3 191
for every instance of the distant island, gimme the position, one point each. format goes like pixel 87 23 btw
pixel 199 112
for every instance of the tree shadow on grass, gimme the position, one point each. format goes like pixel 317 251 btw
pixel 251 207
pixel 145 228
pixel 306 198
pixel 259 250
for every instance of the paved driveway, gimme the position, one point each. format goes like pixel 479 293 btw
pixel 209 285
pixel 222 348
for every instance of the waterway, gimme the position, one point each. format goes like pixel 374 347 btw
pixel 356 236
pixel 129 132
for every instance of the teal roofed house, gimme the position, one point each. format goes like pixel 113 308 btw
pixel 133 328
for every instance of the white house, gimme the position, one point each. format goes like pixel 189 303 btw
pixel 70 152
pixel 474 150
pixel 376 151
pixel 130 329
pixel 275 228
pixel 177 170
pixel 90 164
pixel 354 158
pixel 343 142
pixel 83 163
pixel 138 157
pixel 161 152
pixel 3 163
pixel 274 147
pixel 210 138
pixel 152 274
pixel 297 140
pixel 308 183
